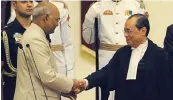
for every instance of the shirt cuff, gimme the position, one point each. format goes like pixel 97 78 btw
pixel 87 84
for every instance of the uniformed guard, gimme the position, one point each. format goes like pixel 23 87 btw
pixel 111 19
pixel 10 38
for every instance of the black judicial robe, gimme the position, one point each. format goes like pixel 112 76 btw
pixel 152 82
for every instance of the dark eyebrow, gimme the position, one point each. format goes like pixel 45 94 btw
pixel 127 29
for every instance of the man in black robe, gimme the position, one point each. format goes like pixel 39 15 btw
pixel 137 71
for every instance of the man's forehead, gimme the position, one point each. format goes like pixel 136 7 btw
pixel 131 22
pixel 127 23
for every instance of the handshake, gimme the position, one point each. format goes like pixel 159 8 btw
pixel 78 86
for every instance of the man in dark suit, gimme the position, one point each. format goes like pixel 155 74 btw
pixel 168 42
pixel 168 46
pixel 138 71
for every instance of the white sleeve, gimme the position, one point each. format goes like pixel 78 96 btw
pixel 12 17
pixel 88 31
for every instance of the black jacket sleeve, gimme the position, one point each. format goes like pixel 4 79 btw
pixel 105 78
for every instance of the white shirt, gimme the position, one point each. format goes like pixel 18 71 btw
pixel 136 56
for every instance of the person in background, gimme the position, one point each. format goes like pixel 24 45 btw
pixel 168 43
pixel 168 46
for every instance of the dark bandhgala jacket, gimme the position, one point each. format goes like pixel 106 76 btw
pixel 152 82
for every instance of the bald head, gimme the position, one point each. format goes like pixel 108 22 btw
pixel 46 15
pixel 44 8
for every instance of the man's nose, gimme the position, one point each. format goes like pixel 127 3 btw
pixel 58 23
pixel 125 34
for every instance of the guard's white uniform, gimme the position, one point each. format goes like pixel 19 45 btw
pixel 65 58
pixel 111 19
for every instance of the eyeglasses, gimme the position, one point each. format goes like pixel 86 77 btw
pixel 58 20
pixel 128 31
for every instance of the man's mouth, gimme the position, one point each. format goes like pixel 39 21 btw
pixel 30 10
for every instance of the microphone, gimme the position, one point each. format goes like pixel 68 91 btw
pixel 28 46
pixel 21 47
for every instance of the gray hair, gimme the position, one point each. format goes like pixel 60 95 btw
pixel 39 11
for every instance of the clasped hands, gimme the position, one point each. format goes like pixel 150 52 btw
pixel 78 86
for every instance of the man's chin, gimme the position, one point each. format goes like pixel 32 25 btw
pixel 52 32
pixel 129 44
pixel 27 15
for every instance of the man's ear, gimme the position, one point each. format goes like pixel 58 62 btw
pixel 147 14
pixel 13 4
pixel 144 31
pixel 46 17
